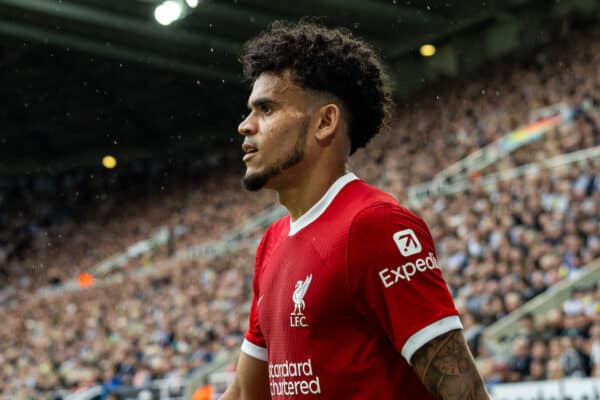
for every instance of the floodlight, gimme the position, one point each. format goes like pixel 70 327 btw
pixel 168 12
pixel 427 50
pixel 109 162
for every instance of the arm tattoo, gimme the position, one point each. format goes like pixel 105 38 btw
pixel 447 369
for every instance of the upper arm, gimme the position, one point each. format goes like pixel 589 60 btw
pixel 395 277
pixel 251 380
pixel 252 377
pixel 447 369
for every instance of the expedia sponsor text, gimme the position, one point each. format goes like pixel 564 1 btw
pixel 389 277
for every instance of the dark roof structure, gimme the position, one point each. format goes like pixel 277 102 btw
pixel 84 78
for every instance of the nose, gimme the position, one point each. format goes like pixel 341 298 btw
pixel 248 126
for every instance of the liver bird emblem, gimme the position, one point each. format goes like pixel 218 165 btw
pixel 298 296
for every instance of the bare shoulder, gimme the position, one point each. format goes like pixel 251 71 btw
pixel 446 367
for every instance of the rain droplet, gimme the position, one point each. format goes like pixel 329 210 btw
pixel 212 50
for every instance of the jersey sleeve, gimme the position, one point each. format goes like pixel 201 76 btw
pixel 395 279
pixel 254 343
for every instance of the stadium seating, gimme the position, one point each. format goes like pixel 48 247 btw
pixel 500 246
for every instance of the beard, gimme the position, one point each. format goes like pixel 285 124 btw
pixel 256 181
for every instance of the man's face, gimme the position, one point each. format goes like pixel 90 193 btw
pixel 275 131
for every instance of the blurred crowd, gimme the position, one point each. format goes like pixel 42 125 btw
pixel 165 325
pixel 500 245
pixel 77 241
pixel 564 343
pixel 503 247
pixel 480 111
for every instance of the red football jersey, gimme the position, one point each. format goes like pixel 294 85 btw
pixel 344 296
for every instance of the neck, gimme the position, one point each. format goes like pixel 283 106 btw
pixel 307 190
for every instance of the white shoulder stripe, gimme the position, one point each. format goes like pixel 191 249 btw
pixel 253 350
pixel 420 338
pixel 320 206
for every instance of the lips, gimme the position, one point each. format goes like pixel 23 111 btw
pixel 247 156
pixel 249 150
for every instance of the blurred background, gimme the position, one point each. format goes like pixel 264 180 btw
pixel 127 244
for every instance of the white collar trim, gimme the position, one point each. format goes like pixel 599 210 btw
pixel 320 206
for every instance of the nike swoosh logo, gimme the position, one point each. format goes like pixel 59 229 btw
pixel 260 299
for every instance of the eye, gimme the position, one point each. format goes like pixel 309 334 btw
pixel 266 109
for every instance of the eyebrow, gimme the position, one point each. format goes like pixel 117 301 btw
pixel 260 102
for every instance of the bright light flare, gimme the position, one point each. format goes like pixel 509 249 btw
pixel 168 12
pixel 192 3
pixel 109 162
pixel 427 50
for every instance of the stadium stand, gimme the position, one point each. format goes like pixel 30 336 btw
pixel 61 250
pixel 501 245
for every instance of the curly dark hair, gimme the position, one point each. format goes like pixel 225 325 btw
pixel 329 61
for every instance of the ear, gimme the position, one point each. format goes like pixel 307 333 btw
pixel 329 121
